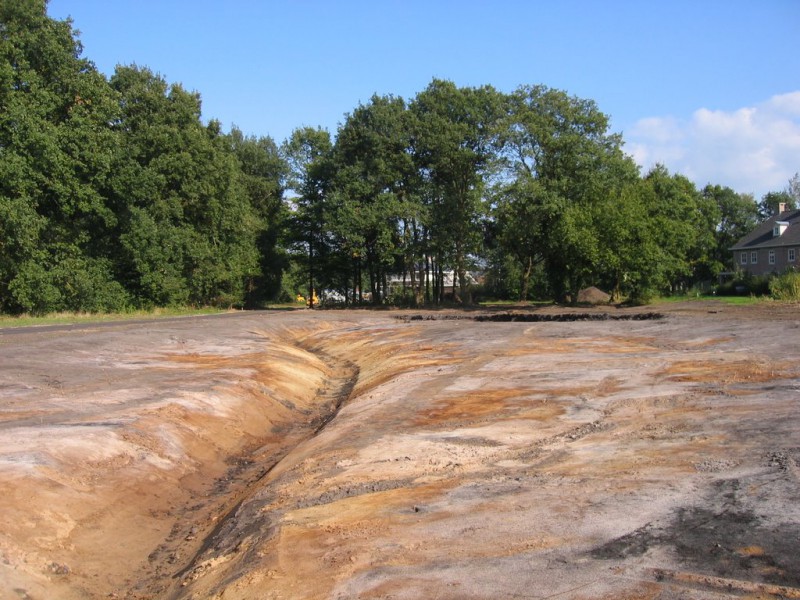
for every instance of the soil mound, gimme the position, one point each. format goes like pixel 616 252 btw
pixel 593 295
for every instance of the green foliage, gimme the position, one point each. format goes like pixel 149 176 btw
pixel 308 155
pixel 72 284
pixel 745 285
pixel 372 189
pixel 738 215
pixel 263 173
pixel 187 224
pixel 559 203
pixel 113 193
pixel 402 298
pixel 55 149
pixel 672 205
pixel 786 287
pixel 455 133
pixel 771 201
pixel 631 261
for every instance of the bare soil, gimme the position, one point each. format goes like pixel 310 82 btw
pixel 537 453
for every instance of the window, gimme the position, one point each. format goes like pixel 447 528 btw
pixel 743 260
pixel 771 257
pixel 754 257
pixel 791 255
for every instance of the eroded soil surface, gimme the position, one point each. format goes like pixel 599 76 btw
pixel 405 454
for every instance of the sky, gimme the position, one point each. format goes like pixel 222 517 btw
pixel 708 88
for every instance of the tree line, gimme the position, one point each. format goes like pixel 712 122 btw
pixel 114 194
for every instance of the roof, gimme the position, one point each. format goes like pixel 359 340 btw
pixel 761 236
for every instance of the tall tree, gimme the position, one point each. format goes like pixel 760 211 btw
pixel 454 139
pixel 771 201
pixel 738 215
pixel 524 210
pixel 789 196
pixel 793 189
pixel 684 222
pixel 264 173
pixel 630 261
pixel 560 164
pixel 186 227
pixel 55 149
pixel 308 154
pixel 375 187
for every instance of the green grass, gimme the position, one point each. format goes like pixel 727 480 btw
pixel 734 300
pixel 7 321
pixel 513 303
pixel 741 300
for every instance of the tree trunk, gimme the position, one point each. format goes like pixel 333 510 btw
pixel 427 278
pixel 617 293
pixel 311 275
pixel 526 278
pixel 359 277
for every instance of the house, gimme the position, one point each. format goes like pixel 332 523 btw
pixel 772 247
pixel 449 280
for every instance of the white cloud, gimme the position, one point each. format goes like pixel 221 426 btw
pixel 753 149
pixel 786 103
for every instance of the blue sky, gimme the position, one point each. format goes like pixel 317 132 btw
pixel 710 88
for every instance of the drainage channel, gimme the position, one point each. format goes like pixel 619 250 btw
pixel 181 558
pixel 537 317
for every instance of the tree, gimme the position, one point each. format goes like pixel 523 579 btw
pixel 793 189
pixel 455 131
pixel 264 173
pixel 308 154
pixel 789 196
pixel 186 226
pixel 560 165
pixel 738 215
pixel 630 262
pixel 114 193
pixel 684 222
pixel 524 210
pixel 375 187
pixel 770 202
pixel 55 149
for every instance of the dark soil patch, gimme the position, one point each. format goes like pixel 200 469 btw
pixel 731 542
pixel 538 318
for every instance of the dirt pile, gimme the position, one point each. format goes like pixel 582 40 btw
pixel 593 295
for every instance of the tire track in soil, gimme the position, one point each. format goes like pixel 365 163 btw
pixel 205 520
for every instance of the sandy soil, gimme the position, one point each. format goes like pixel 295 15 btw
pixel 356 454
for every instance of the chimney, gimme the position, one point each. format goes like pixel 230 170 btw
pixel 781 208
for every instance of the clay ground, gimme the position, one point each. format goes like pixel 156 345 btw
pixel 205 457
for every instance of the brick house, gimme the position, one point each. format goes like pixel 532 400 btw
pixel 772 247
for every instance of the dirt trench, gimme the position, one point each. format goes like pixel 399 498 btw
pixel 358 455
pixel 209 529
pixel 124 446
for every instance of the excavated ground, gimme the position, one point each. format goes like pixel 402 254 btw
pixel 355 454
